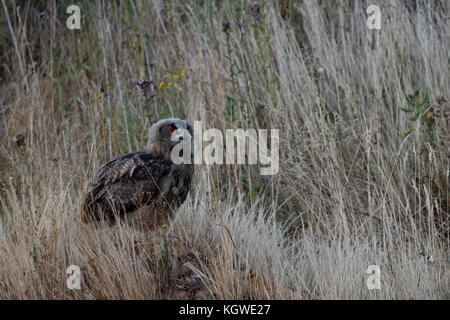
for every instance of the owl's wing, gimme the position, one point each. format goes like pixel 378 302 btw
pixel 114 170
pixel 134 177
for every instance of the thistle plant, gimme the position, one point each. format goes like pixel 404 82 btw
pixel 419 111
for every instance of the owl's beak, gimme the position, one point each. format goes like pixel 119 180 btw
pixel 181 134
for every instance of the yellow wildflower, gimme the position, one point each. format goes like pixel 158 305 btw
pixel 161 85
pixel 175 77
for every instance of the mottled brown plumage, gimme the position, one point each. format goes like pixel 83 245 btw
pixel 143 187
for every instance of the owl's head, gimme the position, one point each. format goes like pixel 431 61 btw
pixel 167 133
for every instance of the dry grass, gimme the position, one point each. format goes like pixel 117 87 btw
pixel 354 189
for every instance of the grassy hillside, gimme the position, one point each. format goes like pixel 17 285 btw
pixel 364 147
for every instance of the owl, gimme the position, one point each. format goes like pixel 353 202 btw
pixel 146 187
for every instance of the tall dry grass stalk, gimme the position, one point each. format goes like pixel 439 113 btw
pixel 364 164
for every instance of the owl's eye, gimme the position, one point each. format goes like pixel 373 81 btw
pixel 172 130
